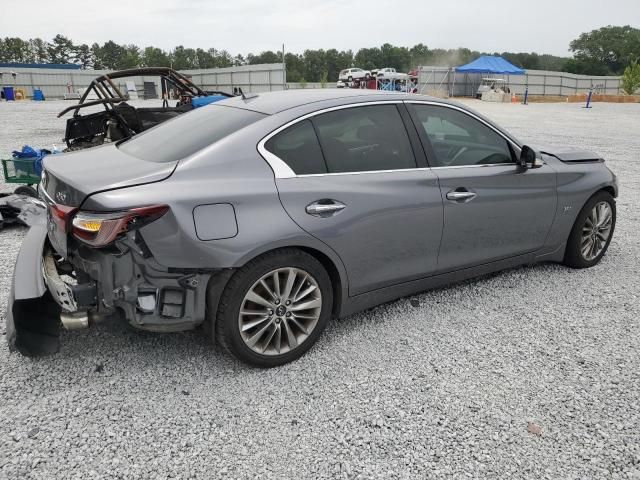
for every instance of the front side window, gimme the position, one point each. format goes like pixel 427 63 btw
pixel 459 139
pixel 361 139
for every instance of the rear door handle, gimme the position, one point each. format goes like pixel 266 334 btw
pixel 461 195
pixel 325 208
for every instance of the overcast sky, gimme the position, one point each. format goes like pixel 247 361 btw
pixel 243 26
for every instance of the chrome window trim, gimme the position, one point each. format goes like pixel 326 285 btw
pixel 281 170
pixel 483 165
pixel 367 172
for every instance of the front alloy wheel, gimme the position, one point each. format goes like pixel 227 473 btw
pixel 596 231
pixel 591 232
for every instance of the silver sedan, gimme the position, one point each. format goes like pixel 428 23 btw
pixel 260 217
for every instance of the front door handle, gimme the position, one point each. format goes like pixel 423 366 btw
pixel 325 208
pixel 461 195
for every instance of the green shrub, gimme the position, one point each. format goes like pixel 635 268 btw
pixel 631 78
pixel 324 79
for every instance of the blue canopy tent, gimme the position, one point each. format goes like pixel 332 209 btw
pixel 488 64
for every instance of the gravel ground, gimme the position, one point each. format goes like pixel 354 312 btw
pixel 531 373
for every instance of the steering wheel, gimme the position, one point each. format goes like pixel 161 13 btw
pixel 457 155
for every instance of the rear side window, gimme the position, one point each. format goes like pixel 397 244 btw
pixel 298 147
pixel 188 133
pixel 362 139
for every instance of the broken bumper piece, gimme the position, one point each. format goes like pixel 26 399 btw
pixel 21 209
pixel 33 316
pixel 40 302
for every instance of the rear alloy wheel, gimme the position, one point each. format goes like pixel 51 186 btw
pixel 592 232
pixel 275 308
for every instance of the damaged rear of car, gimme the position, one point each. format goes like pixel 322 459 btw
pixel 86 256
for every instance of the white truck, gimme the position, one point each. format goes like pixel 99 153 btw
pixel 351 74
pixel 389 73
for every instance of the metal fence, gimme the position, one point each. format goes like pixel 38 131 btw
pixel 441 81
pixel 56 83
pixel 444 81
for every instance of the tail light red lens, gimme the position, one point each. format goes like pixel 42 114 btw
pixel 60 215
pixel 99 229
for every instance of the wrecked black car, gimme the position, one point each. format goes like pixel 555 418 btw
pixel 120 120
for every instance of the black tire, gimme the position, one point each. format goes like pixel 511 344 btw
pixel 227 328
pixel 350 79
pixel 27 190
pixel 573 256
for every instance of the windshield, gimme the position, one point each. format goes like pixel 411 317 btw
pixel 188 133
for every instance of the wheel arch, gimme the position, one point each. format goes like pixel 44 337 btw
pixel 336 279
pixel 609 189
pixel 333 266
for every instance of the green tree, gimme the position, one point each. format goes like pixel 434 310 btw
pixel 294 65
pixel 224 59
pixel 395 57
pixel 586 66
pixel 61 49
pixel 614 47
pixel 39 50
pixel 324 79
pixel 368 58
pixel 108 56
pixel 529 61
pixel 184 58
pixel 419 55
pixel 264 57
pixel 154 57
pixel 14 49
pixel 631 78
pixel 130 57
pixel 83 56
pixel 205 58
pixel 314 65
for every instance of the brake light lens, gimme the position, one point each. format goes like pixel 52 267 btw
pixel 99 229
pixel 60 215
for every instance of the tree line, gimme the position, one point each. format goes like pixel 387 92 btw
pixel 606 51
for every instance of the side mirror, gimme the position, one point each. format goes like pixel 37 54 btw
pixel 529 158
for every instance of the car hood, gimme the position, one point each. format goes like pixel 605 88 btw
pixel 568 154
pixel 70 177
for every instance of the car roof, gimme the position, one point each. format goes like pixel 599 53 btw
pixel 273 102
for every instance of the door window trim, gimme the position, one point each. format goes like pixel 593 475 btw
pixel 424 137
pixel 282 170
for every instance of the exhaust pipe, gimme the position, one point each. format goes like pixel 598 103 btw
pixel 75 320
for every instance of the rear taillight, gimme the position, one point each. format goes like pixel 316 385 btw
pixel 99 229
pixel 60 215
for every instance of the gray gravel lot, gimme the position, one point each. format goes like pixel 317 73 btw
pixel 440 385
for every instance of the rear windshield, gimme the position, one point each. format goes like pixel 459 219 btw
pixel 188 133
